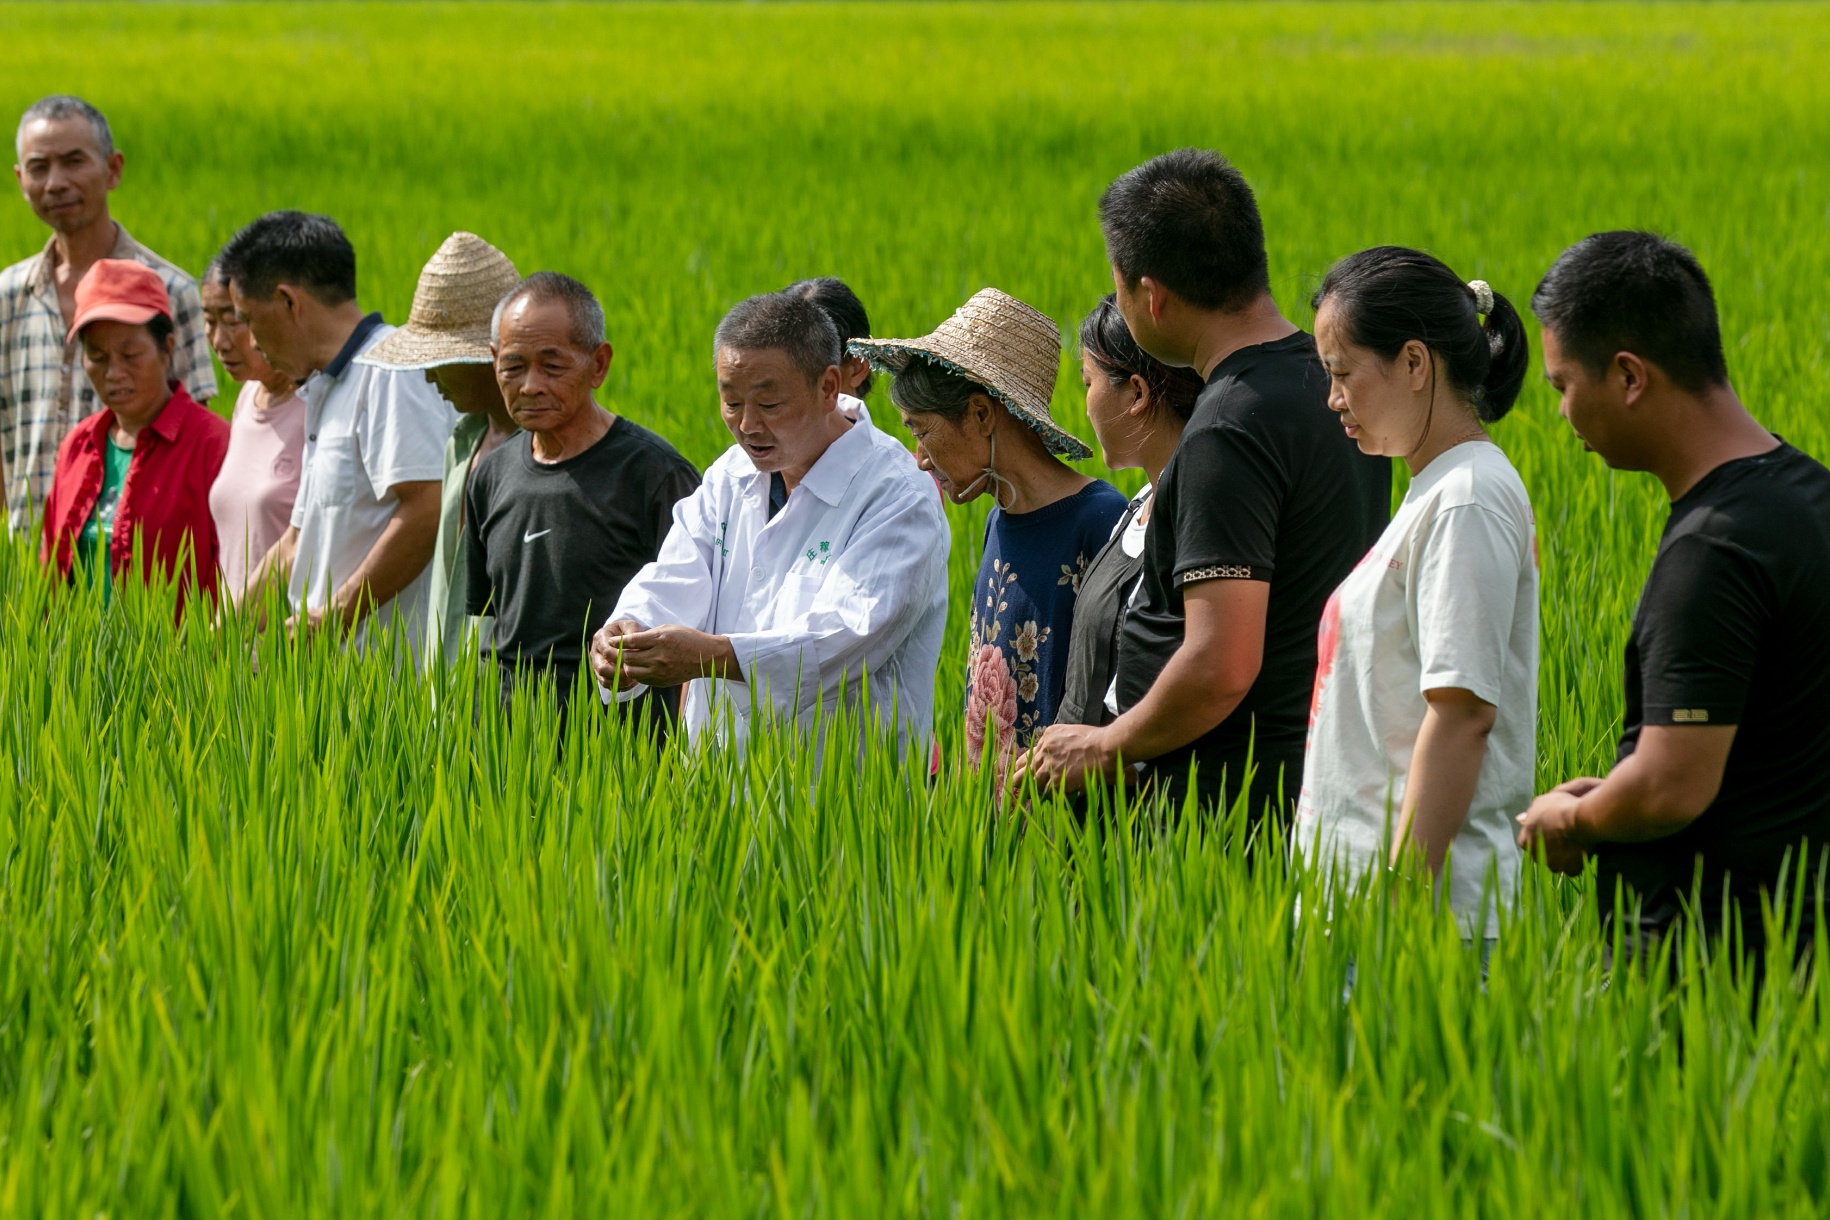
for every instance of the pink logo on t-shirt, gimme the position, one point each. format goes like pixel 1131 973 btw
pixel 1327 639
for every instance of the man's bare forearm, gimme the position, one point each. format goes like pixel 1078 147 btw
pixel 1205 679
pixel 1182 704
pixel 1672 776
pixel 1629 807
pixel 1666 783
pixel 397 558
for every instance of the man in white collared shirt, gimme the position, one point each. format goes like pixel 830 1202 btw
pixel 813 554
pixel 366 517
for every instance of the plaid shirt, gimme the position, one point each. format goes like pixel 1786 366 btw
pixel 43 390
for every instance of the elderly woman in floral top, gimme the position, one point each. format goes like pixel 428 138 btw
pixel 975 393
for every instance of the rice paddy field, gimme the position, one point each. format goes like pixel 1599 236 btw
pixel 319 940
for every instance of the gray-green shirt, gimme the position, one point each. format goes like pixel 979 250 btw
pixel 447 624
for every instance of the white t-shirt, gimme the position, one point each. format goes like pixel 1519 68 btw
pixel 1448 597
pixel 367 429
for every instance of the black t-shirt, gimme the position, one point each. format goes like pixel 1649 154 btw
pixel 1265 485
pixel 1734 628
pixel 551 546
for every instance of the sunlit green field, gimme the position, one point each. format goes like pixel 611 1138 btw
pixel 322 941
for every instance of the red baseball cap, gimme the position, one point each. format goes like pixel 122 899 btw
pixel 119 290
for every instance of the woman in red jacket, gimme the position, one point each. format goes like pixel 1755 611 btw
pixel 138 471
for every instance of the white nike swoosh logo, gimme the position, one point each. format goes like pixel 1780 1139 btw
pixel 531 537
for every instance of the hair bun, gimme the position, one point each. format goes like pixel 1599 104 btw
pixel 1388 296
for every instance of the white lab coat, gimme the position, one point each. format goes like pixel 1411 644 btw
pixel 849 578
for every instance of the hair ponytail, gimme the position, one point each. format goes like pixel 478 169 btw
pixel 1389 295
pixel 1509 358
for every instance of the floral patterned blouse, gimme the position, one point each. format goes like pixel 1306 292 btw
pixel 1023 614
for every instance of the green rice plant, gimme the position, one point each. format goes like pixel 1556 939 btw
pixel 289 930
pixel 305 941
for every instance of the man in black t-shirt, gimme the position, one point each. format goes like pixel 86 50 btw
pixel 559 518
pixel 1264 508
pixel 1721 775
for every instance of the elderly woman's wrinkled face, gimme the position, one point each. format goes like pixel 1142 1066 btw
pixel 230 337
pixel 130 370
pixel 956 451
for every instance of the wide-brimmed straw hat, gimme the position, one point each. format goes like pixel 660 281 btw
pixel 457 294
pixel 1006 346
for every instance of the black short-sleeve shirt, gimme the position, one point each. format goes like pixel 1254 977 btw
pixel 1265 485
pixel 1734 628
pixel 551 546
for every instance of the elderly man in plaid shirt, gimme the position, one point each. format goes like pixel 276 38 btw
pixel 67 166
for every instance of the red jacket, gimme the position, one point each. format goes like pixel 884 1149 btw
pixel 166 498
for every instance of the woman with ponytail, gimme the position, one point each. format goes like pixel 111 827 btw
pixel 1422 730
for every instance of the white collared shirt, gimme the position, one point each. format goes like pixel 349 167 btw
pixel 367 430
pixel 849 578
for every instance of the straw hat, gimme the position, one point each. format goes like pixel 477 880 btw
pixel 1009 348
pixel 457 294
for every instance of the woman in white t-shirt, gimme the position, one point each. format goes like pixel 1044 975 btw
pixel 1422 734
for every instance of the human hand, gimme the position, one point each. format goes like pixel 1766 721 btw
pixel 1062 756
pixel 606 654
pixel 671 654
pixel 306 623
pixel 338 616
pixel 1551 830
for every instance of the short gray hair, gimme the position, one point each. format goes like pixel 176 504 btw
pixel 582 306
pixel 58 107
pixel 784 322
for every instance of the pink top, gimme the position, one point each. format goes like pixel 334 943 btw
pixel 251 499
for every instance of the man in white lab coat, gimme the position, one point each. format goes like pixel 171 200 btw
pixel 813 554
